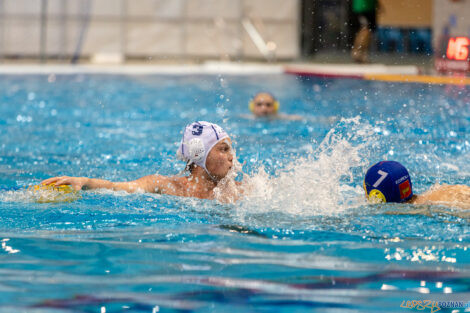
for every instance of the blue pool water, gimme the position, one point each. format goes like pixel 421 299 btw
pixel 305 240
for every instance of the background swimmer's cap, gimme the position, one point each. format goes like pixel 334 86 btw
pixel 251 104
pixel 198 140
pixel 388 181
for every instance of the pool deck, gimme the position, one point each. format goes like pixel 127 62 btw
pixel 203 68
pixel 395 68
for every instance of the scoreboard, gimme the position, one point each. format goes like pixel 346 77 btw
pixel 455 57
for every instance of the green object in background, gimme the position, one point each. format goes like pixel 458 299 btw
pixel 361 6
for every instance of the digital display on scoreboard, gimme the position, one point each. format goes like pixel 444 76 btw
pixel 457 48
pixel 455 57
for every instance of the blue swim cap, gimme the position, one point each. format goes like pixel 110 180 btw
pixel 388 181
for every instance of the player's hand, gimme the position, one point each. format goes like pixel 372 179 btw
pixel 76 182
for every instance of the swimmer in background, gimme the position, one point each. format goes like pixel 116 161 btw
pixel 207 150
pixel 389 181
pixel 265 105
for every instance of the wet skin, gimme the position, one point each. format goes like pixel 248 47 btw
pixel 198 184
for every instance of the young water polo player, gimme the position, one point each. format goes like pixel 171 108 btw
pixel 389 181
pixel 207 150
pixel 265 105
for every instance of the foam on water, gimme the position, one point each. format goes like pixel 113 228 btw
pixel 23 195
pixel 321 182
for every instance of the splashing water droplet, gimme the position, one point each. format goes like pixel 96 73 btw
pixel 322 182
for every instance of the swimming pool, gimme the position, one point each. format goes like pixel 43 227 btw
pixel 304 241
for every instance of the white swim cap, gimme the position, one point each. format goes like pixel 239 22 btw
pixel 198 140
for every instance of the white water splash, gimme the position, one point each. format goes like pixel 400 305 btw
pixel 21 195
pixel 320 183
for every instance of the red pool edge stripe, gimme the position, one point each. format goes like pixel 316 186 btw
pixel 403 78
pixel 321 74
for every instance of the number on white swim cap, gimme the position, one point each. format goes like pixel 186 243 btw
pixel 198 140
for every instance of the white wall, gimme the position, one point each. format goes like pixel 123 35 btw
pixel 149 28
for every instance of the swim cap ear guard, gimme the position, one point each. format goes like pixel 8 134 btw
pixel 388 181
pixel 251 105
